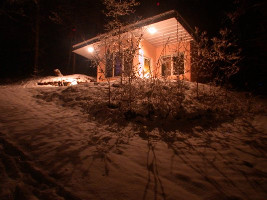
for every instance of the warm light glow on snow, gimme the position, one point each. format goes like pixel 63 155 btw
pixel 152 30
pixel 91 49
pixel 73 82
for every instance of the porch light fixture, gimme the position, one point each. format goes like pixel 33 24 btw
pixel 152 30
pixel 91 49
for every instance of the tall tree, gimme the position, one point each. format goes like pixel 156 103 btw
pixel 117 42
pixel 116 12
pixel 80 20
pixel 248 21
pixel 37 37
pixel 20 8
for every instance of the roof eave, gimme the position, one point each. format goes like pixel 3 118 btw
pixel 144 22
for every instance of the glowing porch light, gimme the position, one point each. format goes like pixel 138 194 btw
pixel 91 49
pixel 152 30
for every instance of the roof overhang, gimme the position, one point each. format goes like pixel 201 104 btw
pixel 169 27
pixel 166 31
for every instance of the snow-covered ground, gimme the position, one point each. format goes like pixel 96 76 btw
pixel 51 149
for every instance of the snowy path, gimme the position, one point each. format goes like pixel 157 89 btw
pixel 54 152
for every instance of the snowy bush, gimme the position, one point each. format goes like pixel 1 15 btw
pixel 150 98
pixel 152 103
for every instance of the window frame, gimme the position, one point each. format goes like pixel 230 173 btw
pixel 113 65
pixel 171 56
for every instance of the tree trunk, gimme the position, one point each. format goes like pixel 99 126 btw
pixel 37 39
pixel 71 59
pixel 69 69
pixel 73 63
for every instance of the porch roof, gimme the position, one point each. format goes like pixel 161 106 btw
pixel 170 27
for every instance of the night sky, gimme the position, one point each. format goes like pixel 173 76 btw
pixel 84 19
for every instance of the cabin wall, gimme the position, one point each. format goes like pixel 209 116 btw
pixel 154 54
pixel 101 66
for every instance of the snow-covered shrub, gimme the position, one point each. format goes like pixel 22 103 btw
pixel 152 103
pixel 150 98
pixel 213 99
